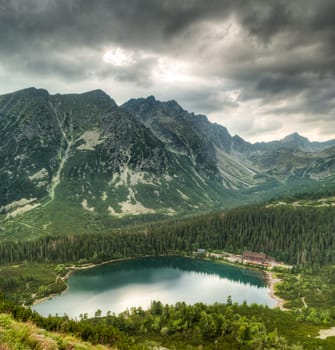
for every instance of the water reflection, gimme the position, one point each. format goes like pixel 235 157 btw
pixel 125 284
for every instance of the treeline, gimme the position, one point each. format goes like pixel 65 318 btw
pixel 217 326
pixel 301 236
pixel 323 191
pixel 93 333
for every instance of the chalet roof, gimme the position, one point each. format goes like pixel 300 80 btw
pixel 254 255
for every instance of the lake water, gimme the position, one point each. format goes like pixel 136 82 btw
pixel 124 284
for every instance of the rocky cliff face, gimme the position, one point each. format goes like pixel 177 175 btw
pixel 236 163
pixel 84 150
pixel 145 157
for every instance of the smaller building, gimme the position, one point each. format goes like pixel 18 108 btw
pixel 253 257
pixel 201 251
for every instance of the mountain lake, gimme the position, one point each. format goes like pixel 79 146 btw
pixel 137 282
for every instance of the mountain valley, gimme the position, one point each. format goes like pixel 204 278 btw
pixel 81 159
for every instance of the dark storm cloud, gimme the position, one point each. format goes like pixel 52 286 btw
pixel 55 24
pixel 266 49
pixel 132 22
pixel 204 100
pixel 136 73
pixel 274 85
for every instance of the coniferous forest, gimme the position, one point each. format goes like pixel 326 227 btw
pixel 180 326
pixel 301 236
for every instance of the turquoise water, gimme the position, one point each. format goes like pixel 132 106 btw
pixel 125 284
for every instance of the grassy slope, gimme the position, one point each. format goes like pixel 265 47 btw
pixel 26 336
pixel 65 214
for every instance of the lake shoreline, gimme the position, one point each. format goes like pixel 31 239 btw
pixel 272 282
pixel 268 275
pixel 73 268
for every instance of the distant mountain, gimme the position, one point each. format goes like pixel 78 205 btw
pixel 295 142
pixel 208 145
pixel 83 156
pixel 238 164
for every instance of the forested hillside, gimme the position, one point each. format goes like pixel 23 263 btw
pixel 180 326
pixel 301 236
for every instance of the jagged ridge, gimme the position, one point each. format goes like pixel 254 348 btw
pixel 145 157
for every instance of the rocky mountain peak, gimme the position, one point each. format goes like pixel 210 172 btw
pixel 295 137
pixel 28 93
pixel 152 105
pixel 296 141
pixel 32 91
pixel 145 157
pixel 94 97
pixel 150 99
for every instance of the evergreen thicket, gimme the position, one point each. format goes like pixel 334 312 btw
pixel 218 326
pixel 301 236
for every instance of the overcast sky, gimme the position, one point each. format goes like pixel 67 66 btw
pixel 262 68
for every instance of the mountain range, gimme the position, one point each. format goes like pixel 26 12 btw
pixel 82 153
